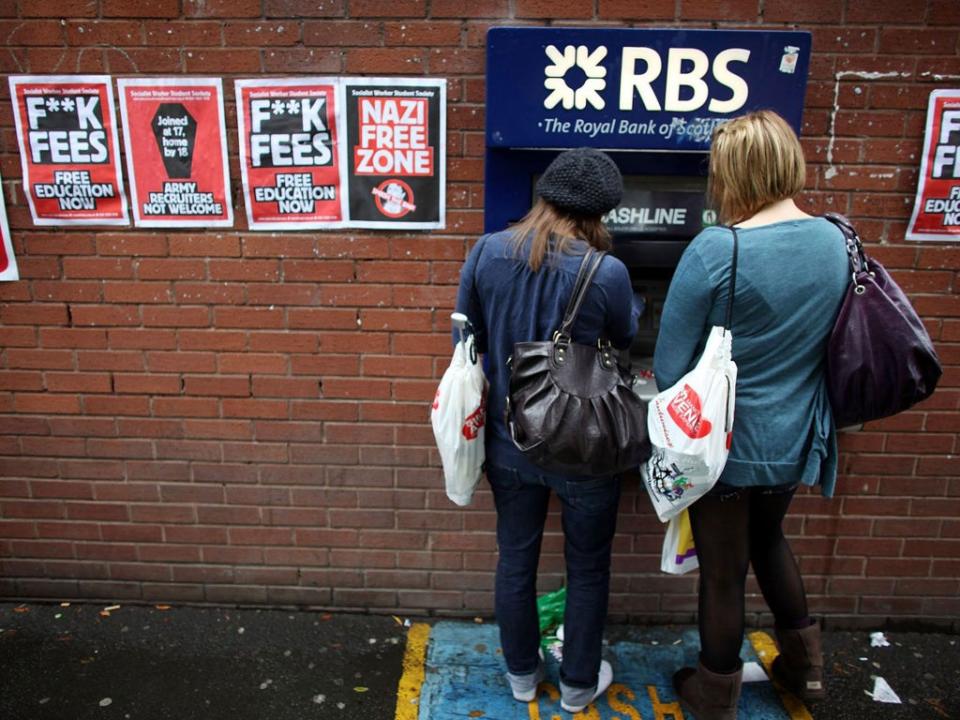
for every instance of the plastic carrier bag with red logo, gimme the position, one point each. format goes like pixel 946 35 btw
pixel 690 425
pixel 459 417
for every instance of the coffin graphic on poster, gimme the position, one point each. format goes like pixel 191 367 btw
pixel 394 149
pixel 69 150
pixel 288 153
pixel 175 138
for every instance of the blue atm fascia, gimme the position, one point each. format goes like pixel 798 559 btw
pixel 522 134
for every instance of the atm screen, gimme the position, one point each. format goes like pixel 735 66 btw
pixel 666 206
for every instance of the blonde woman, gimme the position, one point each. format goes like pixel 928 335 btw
pixel 791 278
pixel 514 287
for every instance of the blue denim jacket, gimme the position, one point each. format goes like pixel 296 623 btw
pixel 508 303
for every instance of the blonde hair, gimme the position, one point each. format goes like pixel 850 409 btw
pixel 552 230
pixel 755 160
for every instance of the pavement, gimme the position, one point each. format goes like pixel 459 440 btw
pixel 79 661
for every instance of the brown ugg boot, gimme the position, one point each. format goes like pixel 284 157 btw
pixel 706 695
pixel 799 666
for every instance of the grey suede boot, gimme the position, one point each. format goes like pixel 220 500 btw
pixel 706 695
pixel 799 666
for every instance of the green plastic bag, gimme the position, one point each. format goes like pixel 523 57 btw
pixel 550 609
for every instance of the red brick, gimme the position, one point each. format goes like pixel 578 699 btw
pixel 301 60
pixel 136 60
pixel 216 385
pixel 189 34
pixel 99 315
pixel 259 318
pixel 322 318
pixel 141 8
pixel 31 32
pixel 83 267
pixel 387 61
pixel 253 363
pixel 303 8
pixel 78 382
pixel 40 359
pixel 136 292
pixel 203 60
pixel 33 314
pixel 104 32
pixel 746 10
pixel 393 272
pixel 343 33
pixel 66 291
pixel 110 360
pixel 637 9
pixel 129 405
pixel 151 384
pixel 193 293
pixel 425 34
pixel 221 8
pixel 72 338
pixel 65 8
pixel 910 41
pixel 22 380
pixel 318 271
pixel 260 33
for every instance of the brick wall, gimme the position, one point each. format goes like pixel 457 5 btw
pixel 240 417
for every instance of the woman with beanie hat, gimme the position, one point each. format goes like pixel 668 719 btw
pixel 514 288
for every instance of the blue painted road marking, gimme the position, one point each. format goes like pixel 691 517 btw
pixel 464 679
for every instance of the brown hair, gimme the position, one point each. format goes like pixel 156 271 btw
pixel 755 160
pixel 545 223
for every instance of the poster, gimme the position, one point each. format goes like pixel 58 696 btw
pixel 394 149
pixel 175 137
pixel 289 154
pixel 8 263
pixel 69 149
pixel 936 210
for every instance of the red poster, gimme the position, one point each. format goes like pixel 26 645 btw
pixel 936 210
pixel 69 149
pixel 288 153
pixel 8 263
pixel 175 137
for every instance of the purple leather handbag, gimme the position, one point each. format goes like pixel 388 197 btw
pixel 880 359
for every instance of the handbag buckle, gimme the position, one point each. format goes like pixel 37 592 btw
pixel 606 353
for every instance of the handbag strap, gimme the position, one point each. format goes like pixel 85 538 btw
pixel 588 268
pixel 854 246
pixel 728 323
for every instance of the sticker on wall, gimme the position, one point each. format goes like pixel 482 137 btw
pixel 288 153
pixel 394 149
pixel 8 263
pixel 175 137
pixel 936 210
pixel 69 149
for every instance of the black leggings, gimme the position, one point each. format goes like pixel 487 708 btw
pixel 733 528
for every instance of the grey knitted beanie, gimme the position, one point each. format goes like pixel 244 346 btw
pixel 583 181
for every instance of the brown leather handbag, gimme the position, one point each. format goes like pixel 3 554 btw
pixel 571 408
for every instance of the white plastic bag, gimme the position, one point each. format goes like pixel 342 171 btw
pixel 459 417
pixel 679 555
pixel 690 426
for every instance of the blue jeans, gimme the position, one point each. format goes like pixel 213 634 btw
pixel 589 522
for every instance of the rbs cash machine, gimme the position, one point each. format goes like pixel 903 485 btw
pixel 649 98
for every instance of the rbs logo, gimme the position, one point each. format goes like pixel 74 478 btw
pixel 640 67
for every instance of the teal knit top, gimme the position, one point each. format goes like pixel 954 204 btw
pixel 791 280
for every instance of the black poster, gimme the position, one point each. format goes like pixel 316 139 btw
pixel 395 152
